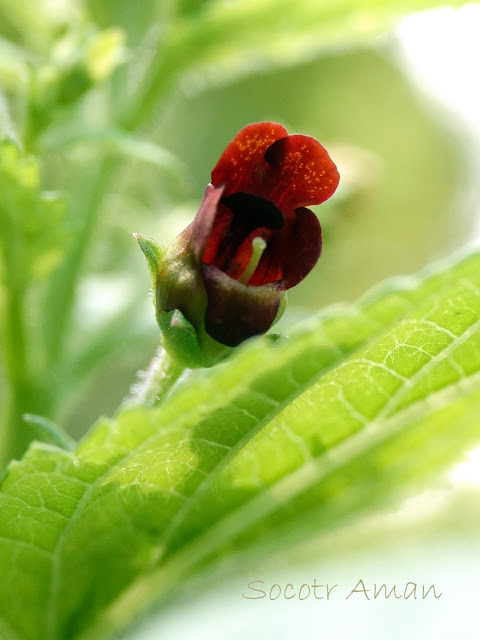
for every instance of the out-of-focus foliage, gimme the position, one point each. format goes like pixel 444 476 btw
pixel 33 242
pixel 117 102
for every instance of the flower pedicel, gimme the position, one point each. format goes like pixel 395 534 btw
pixel 224 278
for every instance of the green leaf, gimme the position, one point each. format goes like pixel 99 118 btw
pixel 115 141
pixel 286 439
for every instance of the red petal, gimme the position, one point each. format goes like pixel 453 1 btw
pixel 301 173
pixel 292 254
pixel 218 231
pixel 202 226
pixel 303 249
pixel 236 311
pixel 236 167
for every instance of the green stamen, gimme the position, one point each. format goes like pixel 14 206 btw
pixel 258 247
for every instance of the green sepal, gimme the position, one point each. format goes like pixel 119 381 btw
pixel 153 253
pixel 179 338
pixel 192 348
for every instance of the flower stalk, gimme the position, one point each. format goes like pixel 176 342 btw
pixel 157 380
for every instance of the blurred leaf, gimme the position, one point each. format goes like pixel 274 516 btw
pixel 7 130
pixel 31 221
pixel 280 22
pixel 126 14
pixel 112 139
pixel 360 401
pixel 14 70
pixel 104 52
pixel 34 23
pixel 226 39
pixel 79 61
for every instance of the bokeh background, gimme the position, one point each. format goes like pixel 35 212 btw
pixel 346 73
pixel 392 95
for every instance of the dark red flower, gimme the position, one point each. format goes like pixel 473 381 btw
pixel 224 278
pixel 260 188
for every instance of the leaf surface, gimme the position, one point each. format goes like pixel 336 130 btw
pixel 291 435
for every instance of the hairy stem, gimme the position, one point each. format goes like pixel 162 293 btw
pixel 157 381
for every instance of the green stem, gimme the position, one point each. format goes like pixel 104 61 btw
pixel 15 342
pixel 157 380
pixel 17 433
pixel 22 393
pixel 14 436
pixel 62 287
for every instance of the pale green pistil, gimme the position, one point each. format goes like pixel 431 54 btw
pixel 258 247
